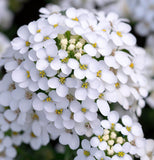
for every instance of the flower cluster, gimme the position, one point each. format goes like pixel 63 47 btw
pixel 63 72
pixel 114 140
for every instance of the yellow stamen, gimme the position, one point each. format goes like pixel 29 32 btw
pixel 94 45
pixel 128 129
pixel 33 135
pixel 55 25
pixel 65 60
pixel 38 31
pixel 28 74
pixel 27 43
pixel 102 159
pixel 119 34
pixel 83 67
pixel 60 111
pixel 0 140
pixel 100 138
pixel 46 38
pixel 104 30
pixel 75 19
pixel 15 133
pixel 62 80
pixel 85 85
pixel 50 59
pixel 101 95
pixel 112 125
pixel 117 85
pixel 42 74
pixel 84 110
pixel 99 73
pixel 35 116
pixel 121 154
pixel 86 153
pixel 131 65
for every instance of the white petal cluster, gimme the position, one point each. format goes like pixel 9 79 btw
pixel 112 143
pixel 118 6
pixel 62 75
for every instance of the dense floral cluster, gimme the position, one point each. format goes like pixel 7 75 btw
pixel 64 73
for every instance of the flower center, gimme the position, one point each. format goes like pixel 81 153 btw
pixel 12 87
pixel 33 135
pixel 60 111
pixel 15 133
pixel 101 95
pixel 50 59
pixel 55 25
pixel 100 138
pixel 62 80
pixel 86 153
pixel 94 45
pixel 121 154
pixel 84 110
pixel 131 65
pixel 104 30
pixel 48 99
pixel 65 60
pixel 112 125
pixel 42 74
pixel 119 34
pixel 83 67
pixel 27 43
pixel 28 74
pixel 38 31
pixel 128 129
pixel 46 38
pixel 99 73
pixel 75 19
pixel 117 85
pixel 85 85
pixel 28 95
pixel 35 116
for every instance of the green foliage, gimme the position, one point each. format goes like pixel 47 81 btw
pixel 45 153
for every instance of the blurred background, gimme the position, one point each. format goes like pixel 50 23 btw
pixel 15 13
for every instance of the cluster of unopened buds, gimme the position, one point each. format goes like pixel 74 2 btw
pixel 64 74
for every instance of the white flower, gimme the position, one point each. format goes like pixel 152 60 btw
pixel 101 155
pixel 85 90
pixel 87 153
pixel 73 16
pixel 131 128
pixel 22 43
pixel 148 150
pixel 86 110
pixel 69 137
pixel 61 85
pixel 47 56
pixel 122 152
pixel 57 115
pixel 21 75
pixel 87 127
